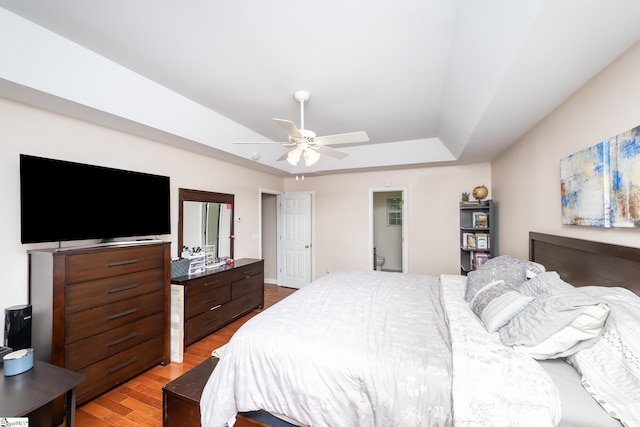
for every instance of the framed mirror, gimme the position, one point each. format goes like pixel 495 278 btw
pixel 205 219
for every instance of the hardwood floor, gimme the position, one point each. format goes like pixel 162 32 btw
pixel 138 402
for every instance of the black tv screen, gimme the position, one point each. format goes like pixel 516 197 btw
pixel 62 201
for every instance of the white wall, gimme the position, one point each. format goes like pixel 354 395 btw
pixel 526 178
pixel 342 212
pixel 29 130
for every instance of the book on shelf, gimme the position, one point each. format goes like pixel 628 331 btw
pixel 482 241
pixel 480 220
pixel 479 258
pixel 468 240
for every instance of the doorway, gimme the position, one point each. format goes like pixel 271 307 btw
pixel 388 230
pixel 269 227
pixel 286 222
pixel 295 239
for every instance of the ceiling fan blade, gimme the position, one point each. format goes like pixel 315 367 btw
pixel 343 138
pixel 328 151
pixel 289 127
pixel 262 142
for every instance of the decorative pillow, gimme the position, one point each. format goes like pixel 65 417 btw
pixel 488 293
pixel 533 269
pixel 500 310
pixel 501 262
pixel 553 321
pixel 610 368
pixel 480 278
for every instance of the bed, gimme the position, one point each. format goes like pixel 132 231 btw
pixel 389 349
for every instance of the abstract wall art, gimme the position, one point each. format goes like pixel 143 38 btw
pixel 600 186
pixel 585 187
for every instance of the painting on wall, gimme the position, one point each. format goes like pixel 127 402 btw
pixel 625 179
pixel 585 187
pixel 600 186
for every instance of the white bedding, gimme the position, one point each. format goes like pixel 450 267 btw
pixel 492 384
pixel 373 349
pixel 353 348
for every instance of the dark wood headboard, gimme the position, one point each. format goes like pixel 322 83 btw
pixel 587 263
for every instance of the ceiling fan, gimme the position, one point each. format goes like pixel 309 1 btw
pixel 305 144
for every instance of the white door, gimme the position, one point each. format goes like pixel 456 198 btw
pixel 295 239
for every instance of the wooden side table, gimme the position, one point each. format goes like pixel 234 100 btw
pixel 23 394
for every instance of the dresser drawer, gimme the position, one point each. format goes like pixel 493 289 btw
pixel 246 285
pixel 205 301
pixel 90 322
pixel 118 368
pixel 203 324
pixel 84 295
pixel 241 305
pixel 93 349
pixel 107 263
pixel 206 283
pixel 246 271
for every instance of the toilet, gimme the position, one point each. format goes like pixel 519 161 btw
pixel 379 262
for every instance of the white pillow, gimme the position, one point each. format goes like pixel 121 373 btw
pixel 502 309
pixel 585 326
pixel 532 269
pixel 611 367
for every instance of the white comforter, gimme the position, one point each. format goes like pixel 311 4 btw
pixel 351 349
pixel 373 349
pixel 493 385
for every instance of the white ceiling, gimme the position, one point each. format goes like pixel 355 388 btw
pixel 430 81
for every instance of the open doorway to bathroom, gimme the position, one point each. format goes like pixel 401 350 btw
pixel 388 229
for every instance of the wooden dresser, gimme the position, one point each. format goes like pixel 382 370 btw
pixel 217 297
pixel 101 311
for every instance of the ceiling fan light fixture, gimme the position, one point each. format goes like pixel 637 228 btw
pixel 294 156
pixel 310 157
pixel 303 143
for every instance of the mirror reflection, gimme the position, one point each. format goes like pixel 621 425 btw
pixel 205 221
pixel 207 224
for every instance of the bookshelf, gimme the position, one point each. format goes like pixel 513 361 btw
pixel 478 234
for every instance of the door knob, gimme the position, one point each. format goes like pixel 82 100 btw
pixel 307 246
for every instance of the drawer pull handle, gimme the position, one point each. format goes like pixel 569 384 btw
pixel 125 262
pixel 215 319
pixel 134 359
pixel 248 271
pixel 212 283
pixel 217 306
pixel 121 340
pixel 123 313
pixel 122 288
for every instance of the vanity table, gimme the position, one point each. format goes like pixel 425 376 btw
pixel 218 296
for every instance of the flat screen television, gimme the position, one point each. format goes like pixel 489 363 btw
pixel 64 201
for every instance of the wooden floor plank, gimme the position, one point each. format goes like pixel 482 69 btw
pixel 138 402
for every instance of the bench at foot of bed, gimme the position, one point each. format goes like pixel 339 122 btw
pixel 181 398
